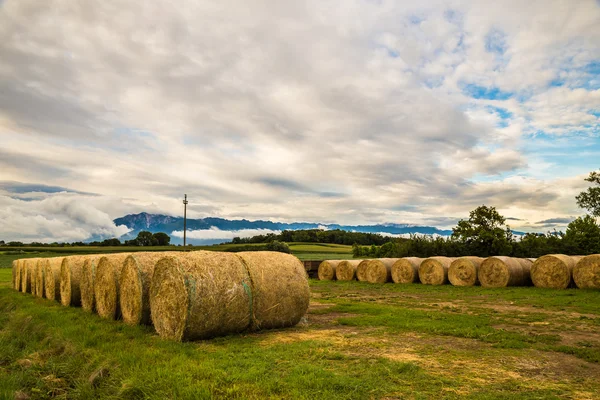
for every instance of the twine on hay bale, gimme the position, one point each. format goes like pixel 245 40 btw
pixel 106 285
pixel 586 272
pixel 361 270
pixel 554 271
pixel 200 295
pixel 134 286
pixel 327 270
pixel 463 271
pixel 52 277
pixel 280 291
pixel 39 277
pixel 380 270
pixel 70 280
pixel 346 270
pixel 501 271
pixel 406 270
pixel 434 270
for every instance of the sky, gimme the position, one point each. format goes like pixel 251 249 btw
pixel 350 112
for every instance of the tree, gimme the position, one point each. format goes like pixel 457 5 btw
pixel 281 247
pixel 111 242
pixel 484 233
pixel 162 239
pixel 590 199
pixel 582 236
pixel 144 238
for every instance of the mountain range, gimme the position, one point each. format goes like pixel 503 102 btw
pixel 220 226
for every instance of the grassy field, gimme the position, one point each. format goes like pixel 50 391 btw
pixel 358 341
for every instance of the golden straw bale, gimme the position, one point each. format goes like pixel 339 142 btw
pixel 434 270
pixel 554 271
pixel 380 270
pixel 463 271
pixel 406 270
pixel 70 280
pixel 586 272
pixel 39 277
pixel 106 285
pixel 52 277
pixel 361 270
pixel 501 271
pixel 327 270
pixel 346 270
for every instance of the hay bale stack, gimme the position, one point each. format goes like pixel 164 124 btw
pixel 434 270
pixel 70 280
pixel 406 270
pixel 380 270
pixel 52 277
pixel 134 286
pixel 586 272
pixel 501 271
pixel 554 271
pixel 86 286
pixel 39 278
pixel 106 285
pixel 361 270
pixel 200 295
pixel 463 271
pixel 346 270
pixel 280 291
pixel 327 270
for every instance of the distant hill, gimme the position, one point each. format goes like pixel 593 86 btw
pixel 164 223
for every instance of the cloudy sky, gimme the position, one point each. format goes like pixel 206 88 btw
pixel 324 111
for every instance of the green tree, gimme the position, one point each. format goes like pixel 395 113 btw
pixel 162 239
pixel 582 236
pixel 111 242
pixel 281 247
pixel 485 233
pixel 590 199
pixel 145 238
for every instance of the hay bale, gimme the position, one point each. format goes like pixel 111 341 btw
pixel 86 286
pixel 134 286
pixel 434 270
pixel 361 270
pixel 327 270
pixel 200 295
pixel 280 291
pixel 28 275
pixel 380 270
pixel 586 272
pixel 346 270
pixel 70 280
pixel 52 277
pixel 106 285
pixel 14 274
pixel 406 270
pixel 554 271
pixel 463 271
pixel 39 278
pixel 501 271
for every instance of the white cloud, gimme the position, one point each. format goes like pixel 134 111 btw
pixel 216 233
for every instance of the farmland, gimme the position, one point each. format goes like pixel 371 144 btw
pixel 357 341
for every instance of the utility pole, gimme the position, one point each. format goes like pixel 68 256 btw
pixel 185 203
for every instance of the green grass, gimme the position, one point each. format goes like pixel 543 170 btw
pixel 360 341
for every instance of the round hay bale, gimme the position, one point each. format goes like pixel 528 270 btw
pixel 39 278
pixel 406 270
pixel 200 295
pixel 280 291
pixel 134 286
pixel 70 280
pixel 586 272
pixel 361 270
pixel 327 270
pixel 463 271
pixel 14 274
pixel 434 270
pixel 501 271
pixel 106 285
pixel 52 277
pixel 380 270
pixel 554 271
pixel 28 279
pixel 346 270
pixel 86 286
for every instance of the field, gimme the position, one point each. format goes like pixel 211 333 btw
pixel 358 341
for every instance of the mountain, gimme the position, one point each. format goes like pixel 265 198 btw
pixel 164 223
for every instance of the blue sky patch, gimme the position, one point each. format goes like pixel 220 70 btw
pixel 495 42
pixel 481 92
